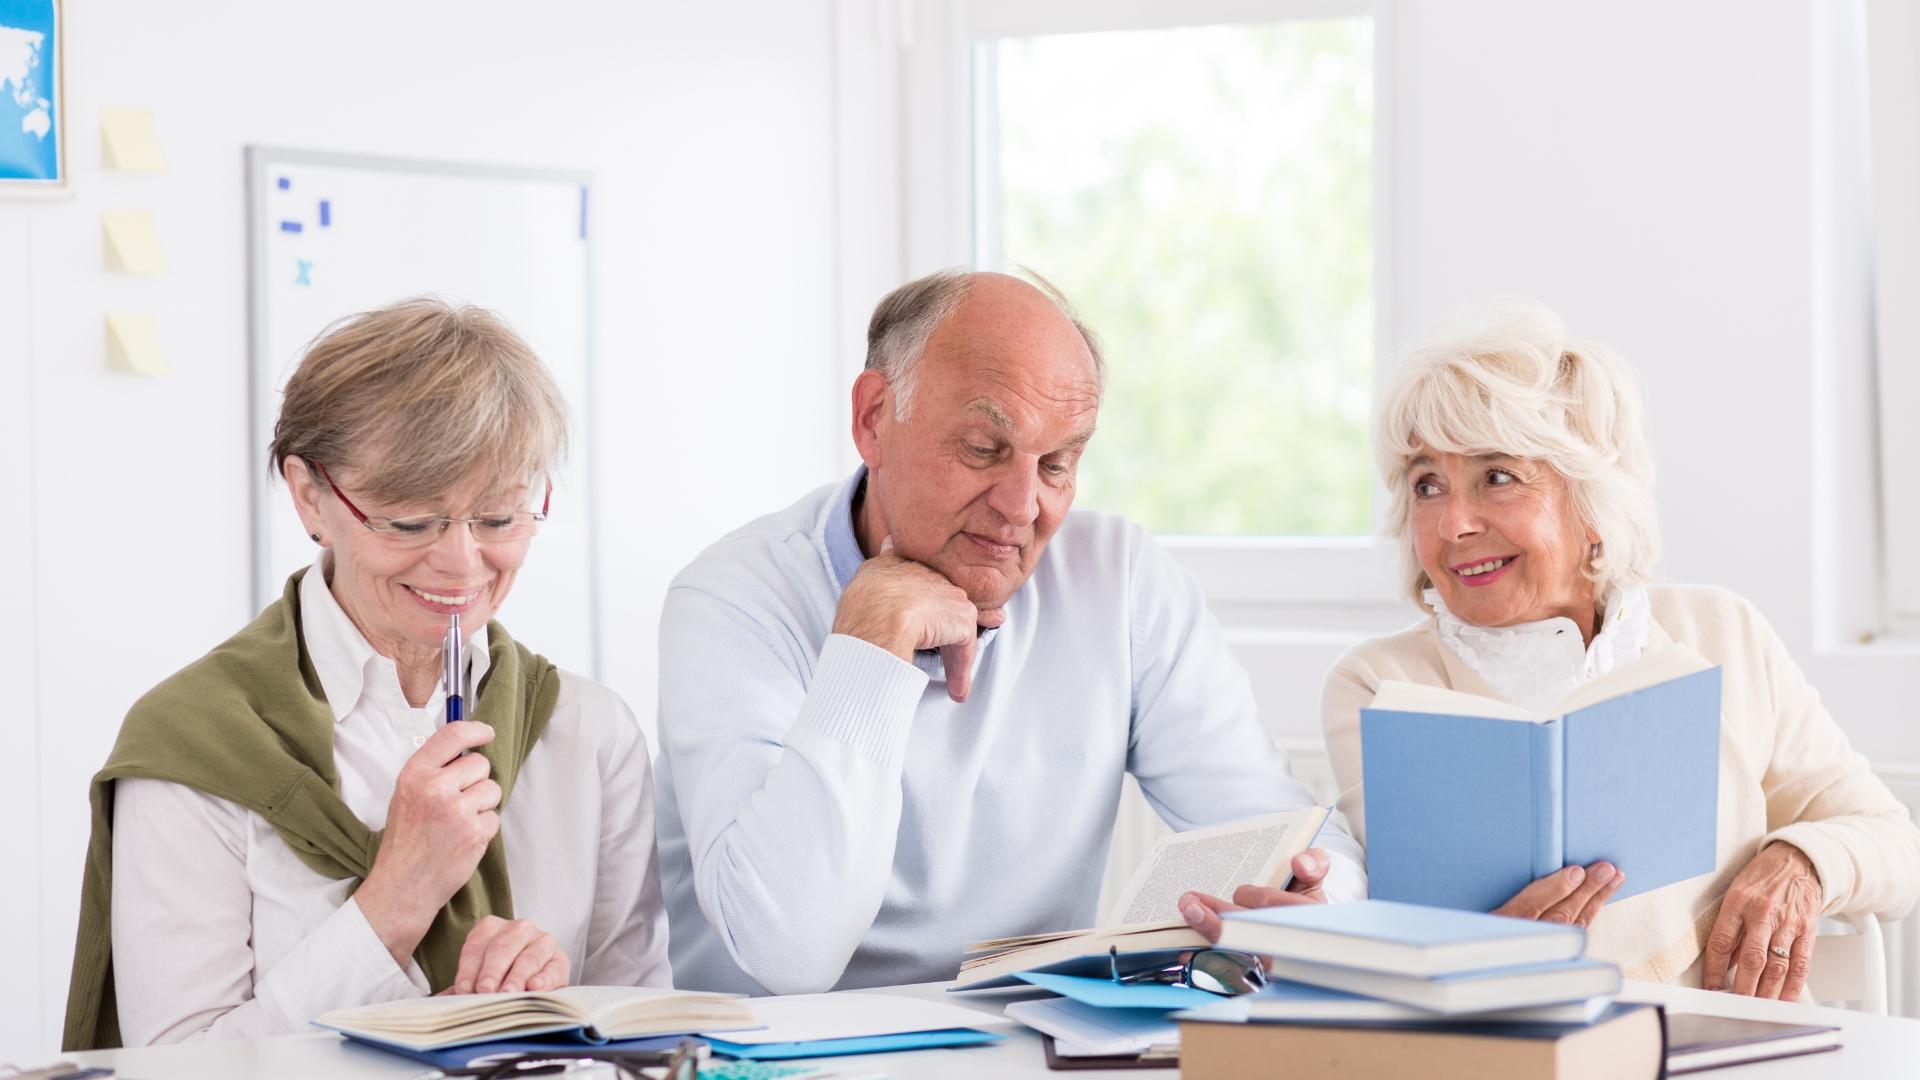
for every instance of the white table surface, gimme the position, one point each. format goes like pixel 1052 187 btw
pixel 1872 1047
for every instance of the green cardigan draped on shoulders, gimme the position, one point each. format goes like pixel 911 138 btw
pixel 249 723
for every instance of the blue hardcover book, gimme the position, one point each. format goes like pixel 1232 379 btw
pixel 1522 986
pixel 1405 939
pixel 1468 799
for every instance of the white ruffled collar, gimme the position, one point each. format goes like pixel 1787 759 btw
pixel 1536 665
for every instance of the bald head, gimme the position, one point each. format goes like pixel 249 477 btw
pixel 975 314
pixel 1005 391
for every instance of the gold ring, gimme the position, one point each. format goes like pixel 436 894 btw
pixel 1780 951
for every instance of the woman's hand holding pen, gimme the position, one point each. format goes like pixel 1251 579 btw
pixel 439 822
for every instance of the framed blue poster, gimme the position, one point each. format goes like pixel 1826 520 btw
pixel 33 151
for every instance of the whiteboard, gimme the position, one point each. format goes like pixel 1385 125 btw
pixel 333 234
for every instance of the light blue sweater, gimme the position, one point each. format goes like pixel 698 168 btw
pixel 830 819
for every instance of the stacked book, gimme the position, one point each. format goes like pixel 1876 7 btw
pixel 1379 988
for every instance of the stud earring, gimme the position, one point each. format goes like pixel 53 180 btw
pixel 315 537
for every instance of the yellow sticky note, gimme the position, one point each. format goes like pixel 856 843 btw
pixel 127 142
pixel 133 344
pixel 133 247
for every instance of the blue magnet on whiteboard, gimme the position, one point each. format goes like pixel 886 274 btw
pixel 283 183
pixel 305 272
pixel 326 213
pixel 290 226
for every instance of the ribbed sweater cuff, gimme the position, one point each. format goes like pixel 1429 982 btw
pixel 863 696
pixel 1827 854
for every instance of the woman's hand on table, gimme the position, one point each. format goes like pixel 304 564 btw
pixel 1765 928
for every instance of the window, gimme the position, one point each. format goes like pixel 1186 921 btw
pixel 1892 37
pixel 1204 196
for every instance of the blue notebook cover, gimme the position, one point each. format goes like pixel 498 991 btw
pixel 1413 925
pixel 871 1044
pixel 459 1057
pixel 1463 812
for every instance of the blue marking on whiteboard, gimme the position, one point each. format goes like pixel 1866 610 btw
pixel 583 211
pixel 305 272
pixel 283 183
pixel 326 213
pixel 290 226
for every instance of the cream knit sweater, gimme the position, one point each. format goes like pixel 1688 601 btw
pixel 1786 773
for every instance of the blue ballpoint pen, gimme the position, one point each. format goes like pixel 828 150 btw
pixel 453 654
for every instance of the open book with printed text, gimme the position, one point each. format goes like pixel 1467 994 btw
pixel 1144 917
pixel 593 1014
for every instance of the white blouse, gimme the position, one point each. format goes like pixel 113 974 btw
pixel 1537 665
pixel 221 932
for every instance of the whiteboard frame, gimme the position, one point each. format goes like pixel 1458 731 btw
pixel 259 162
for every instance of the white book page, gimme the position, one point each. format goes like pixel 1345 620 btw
pixel 1665 664
pixel 1396 696
pixel 1214 860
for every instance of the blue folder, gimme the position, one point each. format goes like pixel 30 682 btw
pixel 1104 993
pixel 870 1044
pixel 1464 811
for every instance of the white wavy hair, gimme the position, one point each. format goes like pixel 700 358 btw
pixel 1508 380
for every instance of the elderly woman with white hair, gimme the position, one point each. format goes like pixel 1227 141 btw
pixel 1522 491
pixel 286 826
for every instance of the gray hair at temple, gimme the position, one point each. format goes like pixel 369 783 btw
pixel 906 318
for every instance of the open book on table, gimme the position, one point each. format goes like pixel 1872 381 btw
pixel 595 1014
pixel 1469 799
pixel 1145 918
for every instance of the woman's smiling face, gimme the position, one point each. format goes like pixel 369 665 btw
pixel 1499 538
pixel 399 597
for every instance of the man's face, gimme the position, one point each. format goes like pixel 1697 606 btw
pixel 981 473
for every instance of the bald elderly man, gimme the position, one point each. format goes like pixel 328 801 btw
pixel 894 716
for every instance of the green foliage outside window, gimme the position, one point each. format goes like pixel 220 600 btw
pixel 1204 196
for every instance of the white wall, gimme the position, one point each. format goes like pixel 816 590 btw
pixel 710 130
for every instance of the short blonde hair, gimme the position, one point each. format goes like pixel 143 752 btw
pixel 418 396
pixel 1509 381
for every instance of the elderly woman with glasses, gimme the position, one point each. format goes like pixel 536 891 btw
pixel 288 826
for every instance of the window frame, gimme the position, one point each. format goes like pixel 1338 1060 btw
pixel 947 151
pixel 1892 43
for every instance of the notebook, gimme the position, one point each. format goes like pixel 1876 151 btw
pixel 1469 799
pixel 1407 939
pixel 1696 1042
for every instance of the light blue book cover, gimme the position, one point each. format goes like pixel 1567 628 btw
pixel 1465 811
pixel 1400 923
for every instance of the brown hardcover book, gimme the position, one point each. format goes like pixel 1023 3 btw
pixel 1629 1044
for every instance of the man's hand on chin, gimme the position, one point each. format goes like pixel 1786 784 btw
pixel 1310 867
